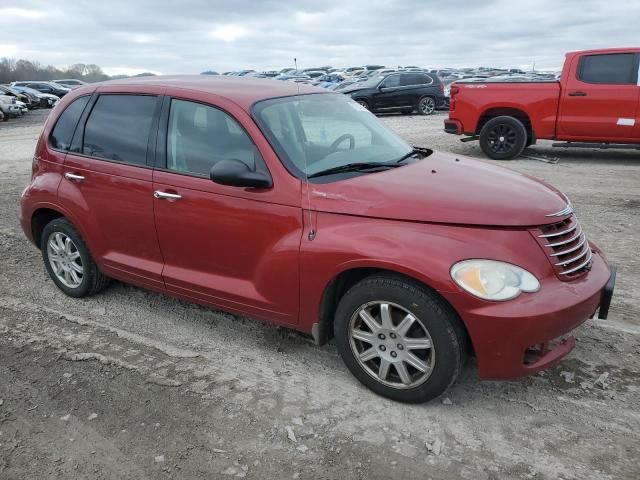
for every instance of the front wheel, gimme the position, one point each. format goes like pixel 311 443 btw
pixel 426 105
pixel 503 138
pixel 364 104
pixel 399 339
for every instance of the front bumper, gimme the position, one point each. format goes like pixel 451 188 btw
pixel 512 339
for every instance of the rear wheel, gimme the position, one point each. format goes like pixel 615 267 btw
pixel 364 104
pixel 68 261
pixel 399 339
pixel 426 105
pixel 503 138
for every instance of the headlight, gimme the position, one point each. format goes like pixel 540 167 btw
pixel 493 280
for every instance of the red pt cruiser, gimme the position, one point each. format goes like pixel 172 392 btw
pixel 290 204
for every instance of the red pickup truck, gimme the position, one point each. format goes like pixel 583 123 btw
pixel 595 104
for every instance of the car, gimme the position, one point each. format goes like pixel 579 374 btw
pixel 70 82
pixel 351 71
pixel 9 107
pixel 1 116
pixel 46 100
pixel 595 104
pixel 19 96
pixel 50 88
pixel 295 205
pixel 403 92
pixel 22 107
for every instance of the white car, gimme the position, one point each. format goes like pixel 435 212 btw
pixel 9 107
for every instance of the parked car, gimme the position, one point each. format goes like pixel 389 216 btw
pixel 19 96
pixel 9 107
pixel 1 115
pixel 46 100
pixel 596 104
pixel 264 199
pixel 70 82
pixel 45 87
pixel 399 92
pixel 351 71
pixel 22 107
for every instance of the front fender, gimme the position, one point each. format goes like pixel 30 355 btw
pixel 424 252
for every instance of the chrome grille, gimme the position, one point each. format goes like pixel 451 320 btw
pixel 567 247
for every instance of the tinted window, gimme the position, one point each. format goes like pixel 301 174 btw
pixel 391 81
pixel 612 69
pixel 199 136
pixel 66 124
pixel 118 128
pixel 415 79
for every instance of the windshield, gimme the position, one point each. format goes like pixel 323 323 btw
pixel 317 132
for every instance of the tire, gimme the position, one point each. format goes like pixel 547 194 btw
pixel 434 322
pixel 74 257
pixel 503 138
pixel 426 105
pixel 364 103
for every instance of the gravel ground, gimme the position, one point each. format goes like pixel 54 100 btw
pixel 134 384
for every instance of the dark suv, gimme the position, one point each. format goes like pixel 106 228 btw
pixel 405 92
pixel 45 87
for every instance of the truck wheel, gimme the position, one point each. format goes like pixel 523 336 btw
pixel 503 138
pixel 399 339
pixel 68 260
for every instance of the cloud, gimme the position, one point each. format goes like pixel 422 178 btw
pixel 195 35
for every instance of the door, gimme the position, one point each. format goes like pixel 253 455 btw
pixel 388 94
pixel 414 86
pixel 225 246
pixel 107 186
pixel 599 101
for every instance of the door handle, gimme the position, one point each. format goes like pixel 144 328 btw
pixel 166 196
pixel 73 177
pixel 577 94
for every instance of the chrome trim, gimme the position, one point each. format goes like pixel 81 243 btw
pixel 165 195
pixel 574 259
pixel 582 265
pixel 572 249
pixel 74 177
pixel 557 234
pixel 561 213
pixel 564 242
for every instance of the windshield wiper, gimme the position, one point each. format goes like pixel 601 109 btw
pixel 414 152
pixel 353 167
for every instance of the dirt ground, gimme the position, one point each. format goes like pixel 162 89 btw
pixel 133 384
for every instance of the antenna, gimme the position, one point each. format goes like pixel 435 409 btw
pixel 295 63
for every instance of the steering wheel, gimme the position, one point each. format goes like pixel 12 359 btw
pixel 340 139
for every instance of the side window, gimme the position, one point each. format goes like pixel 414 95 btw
pixel 118 128
pixel 199 136
pixel 410 79
pixel 65 126
pixel 614 69
pixel 391 81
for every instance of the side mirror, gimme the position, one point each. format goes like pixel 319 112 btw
pixel 234 173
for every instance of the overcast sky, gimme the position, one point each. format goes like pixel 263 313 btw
pixel 190 36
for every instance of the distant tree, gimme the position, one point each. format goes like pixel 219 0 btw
pixel 15 70
pixel 209 72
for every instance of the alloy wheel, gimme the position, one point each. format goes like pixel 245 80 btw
pixel 502 138
pixel 65 260
pixel 391 344
pixel 427 105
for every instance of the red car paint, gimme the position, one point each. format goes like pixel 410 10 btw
pixel 275 253
pixel 570 110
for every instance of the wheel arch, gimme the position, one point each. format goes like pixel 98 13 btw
pixel 335 289
pixel 39 219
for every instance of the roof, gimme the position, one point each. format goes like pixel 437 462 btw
pixel 245 91
pixel 605 50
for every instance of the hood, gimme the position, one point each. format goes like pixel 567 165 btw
pixel 444 188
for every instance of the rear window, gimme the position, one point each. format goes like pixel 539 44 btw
pixel 65 126
pixel 415 79
pixel 615 68
pixel 118 128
